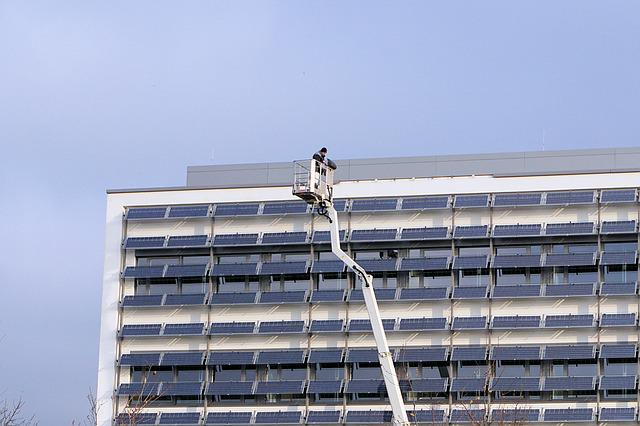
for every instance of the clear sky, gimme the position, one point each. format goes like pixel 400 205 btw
pixel 107 94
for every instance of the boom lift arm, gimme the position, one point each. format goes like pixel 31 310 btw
pixel 314 184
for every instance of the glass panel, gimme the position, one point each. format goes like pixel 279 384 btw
pixel 621 247
pixel 366 373
pixel 329 373
pixel 332 282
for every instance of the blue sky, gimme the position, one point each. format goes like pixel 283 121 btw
pixel 97 95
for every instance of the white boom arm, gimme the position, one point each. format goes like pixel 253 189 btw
pixel 313 182
pixel 384 354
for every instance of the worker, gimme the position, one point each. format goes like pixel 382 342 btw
pixel 321 157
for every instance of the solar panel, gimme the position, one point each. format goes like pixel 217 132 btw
pixel 615 320
pixel 140 360
pixel 570 259
pixel 408 324
pixel 328 356
pixel 281 268
pixel 513 353
pixel 175 271
pixel 236 209
pixel 284 238
pixel 325 386
pixel 180 418
pixel 139 389
pixel 424 264
pixel 189 211
pixel 373 234
pixel 474 416
pixel 567 321
pixel 365 324
pixel 469 293
pixel 468 385
pixel 280 387
pixel 318 326
pixel 424 293
pixel 462 201
pixel 525 230
pixel 328 417
pixel 382 294
pixel 617 414
pixel 361 355
pixel 183 329
pixel 141 330
pixel 144 242
pixel 364 417
pixel 518 199
pixel 143 271
pixel 428 354
pixel 319 296
pixel 470 231
pixel 138 301
pixel 562 290
pixel 229 418
pixel 182 358
pixel 184 299
pixel 230 358
pixel 229 388
pixel 243 327
pixel 618 351
pixel 470 262
pixel 327 266
pixel 516 261
pixel 373 204
pixel 617 382
pixel 510 291
pixel 281 327
pixel 569 383
pixel 146 213
pixel 278 417
pixel 426 416
pixel 469 353
pixel 289 207
pixel 570 228
pixel 424 385
pixel 422 203
pixel 280 357
pixel 516 321
pixel 519 384
pixel 365 386
pixel 515 416
pixel 618 227
pixel 570 352
pixel 182 389
pixel 187 241
pixel 325 236
pixel 618 196
pixel 136 418
pixel 235 239
pixel 469 323
pixel 570 197
pixel 283 297
pixel 378 265
pixel 233 269
pixel 232 298
pixel 615 289
pixel 568 414
pixel 436 233
pixel 618 258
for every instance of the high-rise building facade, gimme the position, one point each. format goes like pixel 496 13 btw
pixel 507 284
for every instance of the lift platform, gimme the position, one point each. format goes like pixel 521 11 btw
pixel 313 182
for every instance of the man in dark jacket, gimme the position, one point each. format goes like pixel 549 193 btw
pixel 321 157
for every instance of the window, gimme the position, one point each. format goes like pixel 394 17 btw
pixel 332 281
pixel 372 373
pixel 329 373
pixel 473 277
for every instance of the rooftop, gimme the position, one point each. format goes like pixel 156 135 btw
pixel 528 163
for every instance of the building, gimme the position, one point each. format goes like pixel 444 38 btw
pixel 508 283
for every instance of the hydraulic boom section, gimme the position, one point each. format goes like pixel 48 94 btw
pixel 313 182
